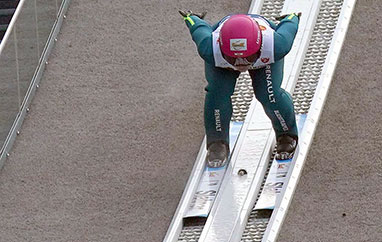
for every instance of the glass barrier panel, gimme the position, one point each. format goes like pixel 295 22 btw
pixel 46 16
pixel 20 57
pixel 9 92
pixel 27 45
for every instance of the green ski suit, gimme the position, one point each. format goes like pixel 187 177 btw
pixel 266 81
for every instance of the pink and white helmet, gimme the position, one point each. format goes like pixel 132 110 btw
pixel 240 37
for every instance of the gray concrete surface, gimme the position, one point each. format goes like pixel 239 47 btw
pixel 339 196
pixel 114 128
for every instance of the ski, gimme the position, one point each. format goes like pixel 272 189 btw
pixel 277 176
pixel 211 180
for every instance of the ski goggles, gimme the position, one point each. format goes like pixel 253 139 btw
pixel 242 61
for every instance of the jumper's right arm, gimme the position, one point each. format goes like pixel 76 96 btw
pixel 201 33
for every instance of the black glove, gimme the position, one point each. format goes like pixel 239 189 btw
pixel 279 18
pixel 188 13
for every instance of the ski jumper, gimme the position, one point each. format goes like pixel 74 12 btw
pixel 266 74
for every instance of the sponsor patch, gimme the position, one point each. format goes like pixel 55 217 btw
pixel 238 44
pixel 217 120
pixel 265 60
pixel 262 27
pixel 212 174
pixel 258 37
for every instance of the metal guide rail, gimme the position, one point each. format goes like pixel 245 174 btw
pixel 305 88
pixel 307 74
pixel 320 63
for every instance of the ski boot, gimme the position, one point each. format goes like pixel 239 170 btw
pixel 286 146
pixel 217 155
